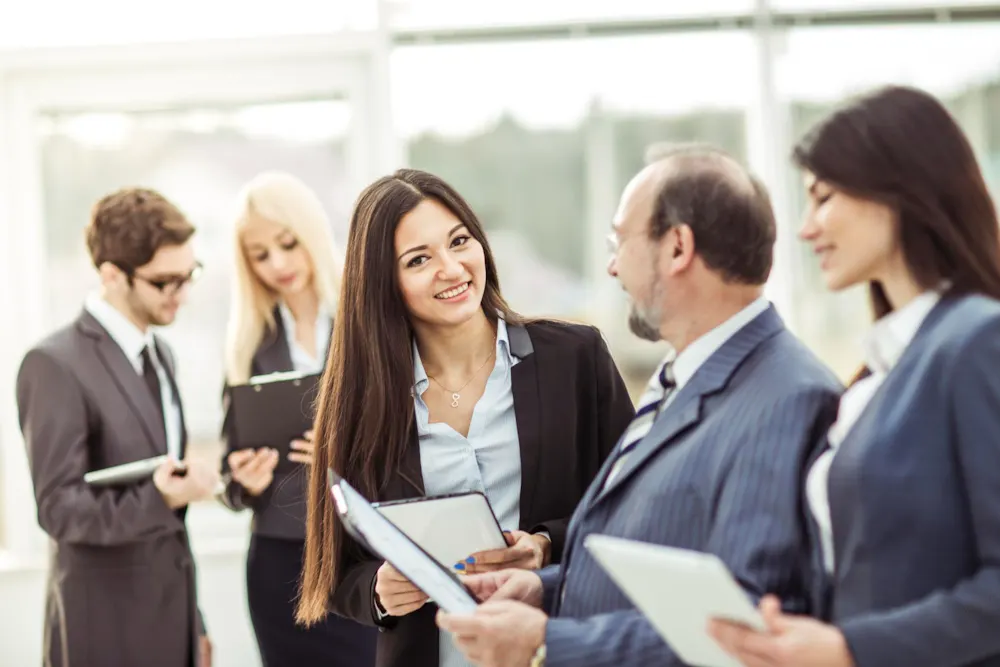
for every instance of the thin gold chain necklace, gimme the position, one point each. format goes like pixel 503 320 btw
pixel 456 395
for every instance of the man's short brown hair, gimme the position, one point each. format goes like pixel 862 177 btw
pixel 727 208
pixel 127 227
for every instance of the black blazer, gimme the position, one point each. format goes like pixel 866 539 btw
pixel 281 510
pixel 571 406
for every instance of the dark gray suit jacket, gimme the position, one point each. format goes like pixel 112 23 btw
pixel 915 501
pixel 719 472
pixel 281 510
pixel 121 589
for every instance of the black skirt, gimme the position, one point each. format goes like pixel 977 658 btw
pixel 273 568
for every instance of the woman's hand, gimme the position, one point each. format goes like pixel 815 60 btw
pixel 525 551
pixel 791 641
pixel 253 469
pixel 395 594
pixel 302 449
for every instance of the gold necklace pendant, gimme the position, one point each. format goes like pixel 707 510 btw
pixel 454 400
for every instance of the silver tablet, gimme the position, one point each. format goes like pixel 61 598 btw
pixel 125 473
pixel 678 591
pixel 450 528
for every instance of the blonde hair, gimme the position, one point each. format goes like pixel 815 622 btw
pixel 283 199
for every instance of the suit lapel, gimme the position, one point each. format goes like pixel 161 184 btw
pixel 525 380
pixel 168 366
pixel 684 412
pixel 686 409
pixel 411 472
pixel 129 383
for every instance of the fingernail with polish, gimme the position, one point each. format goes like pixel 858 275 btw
pixel 459 566
pixel 470 560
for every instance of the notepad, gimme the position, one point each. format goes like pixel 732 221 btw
pixel 678 591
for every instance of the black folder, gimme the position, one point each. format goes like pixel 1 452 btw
pixel 272 410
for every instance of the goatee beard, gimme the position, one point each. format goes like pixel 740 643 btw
pixel 641 327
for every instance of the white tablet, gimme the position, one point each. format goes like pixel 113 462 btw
pixel 449 528
pixel 125 473
pixel 679 591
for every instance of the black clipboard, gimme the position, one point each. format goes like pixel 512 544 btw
pixel 364 523
pixel 272 410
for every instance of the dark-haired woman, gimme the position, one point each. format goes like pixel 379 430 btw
pixel 433 386
pixel 904 504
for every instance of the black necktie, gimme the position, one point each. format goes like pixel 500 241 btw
pixel 153 382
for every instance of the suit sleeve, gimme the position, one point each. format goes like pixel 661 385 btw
pixel 957 626
pixel 550 576
pixel 354 595
pixel 755 530
pixel 614 411
pixel 54 420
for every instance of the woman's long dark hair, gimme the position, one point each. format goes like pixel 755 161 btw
pixel 900 146
pixel 364 413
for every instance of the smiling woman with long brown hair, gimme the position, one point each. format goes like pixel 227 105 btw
pixel 435 385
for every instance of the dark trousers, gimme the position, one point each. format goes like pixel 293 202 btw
pixel 273 567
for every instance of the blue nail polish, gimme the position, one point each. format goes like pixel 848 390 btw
pixel 459 566
pixel 470 560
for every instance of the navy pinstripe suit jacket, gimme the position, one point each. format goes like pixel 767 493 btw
pixel 719 472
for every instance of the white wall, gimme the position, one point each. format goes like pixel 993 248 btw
pixel 221 593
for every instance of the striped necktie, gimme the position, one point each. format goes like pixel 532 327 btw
pixel 659 390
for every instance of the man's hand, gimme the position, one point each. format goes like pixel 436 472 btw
pixel 302 449
pixel 253 469
pixel 204 651
pixel 183 484
pixel 517 585
pixel 395 592
pixel 525 551
pixel 498 634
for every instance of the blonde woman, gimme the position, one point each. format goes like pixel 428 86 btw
pixel 285 289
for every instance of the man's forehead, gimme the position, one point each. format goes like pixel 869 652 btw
pixel 641 190
pixel 172 259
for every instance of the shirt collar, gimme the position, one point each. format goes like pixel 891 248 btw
pixel 888 338
pixel 288 320
pixel 697 353
pixel 420 379
pixel 129 338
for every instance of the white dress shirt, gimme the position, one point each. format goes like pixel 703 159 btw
pixel 488 460
pixel 132 342
pixel 302 361
pixel 883 346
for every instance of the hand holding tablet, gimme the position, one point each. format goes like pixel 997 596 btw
pixel 680 592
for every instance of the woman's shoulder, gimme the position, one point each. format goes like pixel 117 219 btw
pixel 964 322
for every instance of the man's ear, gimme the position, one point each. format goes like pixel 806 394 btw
pixel 679 241
pixel 111 275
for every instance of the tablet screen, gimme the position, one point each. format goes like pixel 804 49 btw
pixel 450 528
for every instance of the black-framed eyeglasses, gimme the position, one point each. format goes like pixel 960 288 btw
pixel 169 285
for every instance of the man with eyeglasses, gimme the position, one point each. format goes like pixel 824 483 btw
pixel 102 392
